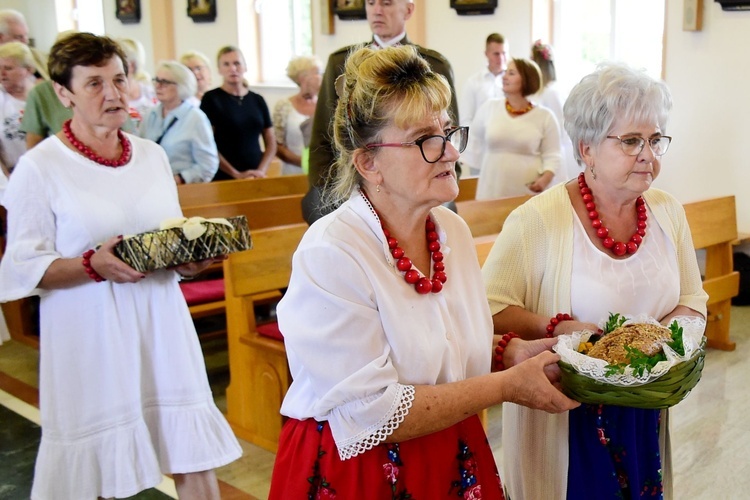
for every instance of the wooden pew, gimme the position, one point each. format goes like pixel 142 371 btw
pixel 258 367
pixel 240 190
pixel 261 213
pixel 713 224
pixel 486 217
pixel 467 188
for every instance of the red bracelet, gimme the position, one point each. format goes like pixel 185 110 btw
pixel 500 349
pixel 87 266
pixel 556 320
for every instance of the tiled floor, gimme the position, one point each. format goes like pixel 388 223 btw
pixel 710 429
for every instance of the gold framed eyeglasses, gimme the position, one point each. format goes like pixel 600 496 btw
pixel 632 145
pixel 433 146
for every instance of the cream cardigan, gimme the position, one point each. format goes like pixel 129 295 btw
pixel 530 266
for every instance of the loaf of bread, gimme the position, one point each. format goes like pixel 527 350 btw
pixel 646 337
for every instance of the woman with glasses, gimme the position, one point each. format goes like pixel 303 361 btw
pixel 240 119
pixel 515 144
pixel 199 64
pixel 606 242
pixel 385 322
pixel 179 127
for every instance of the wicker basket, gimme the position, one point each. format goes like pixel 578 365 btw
pixel 666 391
pixel 153 250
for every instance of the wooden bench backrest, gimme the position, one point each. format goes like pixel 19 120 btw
pixel 712 221
pixel 467 188
pixel 261 213
pixel 267 266
pixel 239 190
pixel 713 225
pixel 486 217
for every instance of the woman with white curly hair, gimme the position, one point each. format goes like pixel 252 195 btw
pixel 179 127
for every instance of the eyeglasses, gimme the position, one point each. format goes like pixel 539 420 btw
pixel 632 145
pixel 159 81
pixel 433 146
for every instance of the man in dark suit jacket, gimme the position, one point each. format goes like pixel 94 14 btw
pixel 387 20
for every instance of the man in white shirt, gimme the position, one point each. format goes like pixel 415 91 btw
pixel 484 85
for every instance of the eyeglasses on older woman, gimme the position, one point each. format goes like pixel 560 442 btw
pixel 433 146
pixel 632 145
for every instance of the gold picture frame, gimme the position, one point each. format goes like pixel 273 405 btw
pixel 692 15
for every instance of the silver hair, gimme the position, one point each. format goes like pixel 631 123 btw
pixel 614 91
pixel 187 85
pixel 8 17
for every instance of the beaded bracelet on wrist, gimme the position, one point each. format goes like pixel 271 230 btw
pixel 556 320
pixel 87 266
pixel 500 349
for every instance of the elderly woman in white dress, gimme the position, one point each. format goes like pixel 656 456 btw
pixel 179 127
pixel 290 113
pixel 124 395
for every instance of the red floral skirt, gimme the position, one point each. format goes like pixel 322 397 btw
pixel 454 463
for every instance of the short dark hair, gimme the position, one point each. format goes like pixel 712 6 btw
pixel 81 49
pixel 495 38
pixel 531 76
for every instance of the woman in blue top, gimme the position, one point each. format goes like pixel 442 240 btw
pixel 179 127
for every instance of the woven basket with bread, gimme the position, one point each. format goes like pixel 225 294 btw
pixel 636 362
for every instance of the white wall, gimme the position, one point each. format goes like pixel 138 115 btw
pixel 708 72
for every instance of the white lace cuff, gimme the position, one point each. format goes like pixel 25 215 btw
pixel 377 433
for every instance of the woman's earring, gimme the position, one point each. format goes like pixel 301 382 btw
pixel 377 188
pixel 593 174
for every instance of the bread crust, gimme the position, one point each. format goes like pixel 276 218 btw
pixel 646 337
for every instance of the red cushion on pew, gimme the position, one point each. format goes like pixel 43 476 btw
pixel 270 330
pixel 200 292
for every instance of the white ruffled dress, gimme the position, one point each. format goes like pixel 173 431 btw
pixel 124 395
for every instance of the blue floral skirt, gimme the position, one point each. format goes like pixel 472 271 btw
pixel 614 453
pixel 455 463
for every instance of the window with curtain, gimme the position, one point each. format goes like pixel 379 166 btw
pixel 285 31
pixel 591 31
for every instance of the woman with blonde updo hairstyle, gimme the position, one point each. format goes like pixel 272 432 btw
pixel 390 355
pixel 290 113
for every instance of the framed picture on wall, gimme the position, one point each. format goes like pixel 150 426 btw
pixel 692 15
pixel 202 11
pixel 474 7
pixel 349 9
pixel 128 11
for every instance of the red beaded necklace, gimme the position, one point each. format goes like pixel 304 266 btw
pixel 422 284
pixel 617 247
pixel 518 112
pixel 91 155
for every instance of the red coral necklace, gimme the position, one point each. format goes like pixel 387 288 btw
pixel 616 247
pixel 422 284
pixel 91 155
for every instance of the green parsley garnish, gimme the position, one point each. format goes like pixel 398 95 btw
pixel 639 361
